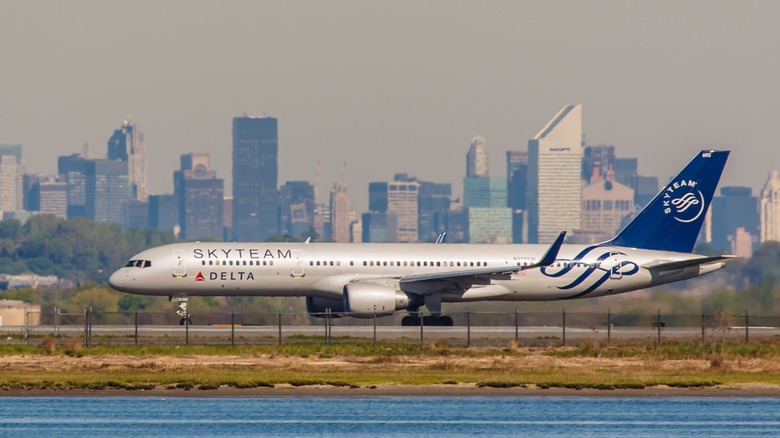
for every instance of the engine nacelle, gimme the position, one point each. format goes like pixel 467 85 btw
pixel 318 307
pixel 364 300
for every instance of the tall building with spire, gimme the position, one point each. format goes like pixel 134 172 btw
pixel 127 144
pixel 200 197
pixel 340 212
pixel 255 176
pixel 477 159
pixel 554 169
pixel 770 209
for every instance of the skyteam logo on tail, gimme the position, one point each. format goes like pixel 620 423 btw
pixel 683 201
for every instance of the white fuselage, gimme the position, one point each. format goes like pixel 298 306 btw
pixel 324 269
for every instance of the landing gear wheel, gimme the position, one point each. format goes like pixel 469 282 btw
pixel 445 321
pixel 182 311
pixel 410 321
pixel 430 321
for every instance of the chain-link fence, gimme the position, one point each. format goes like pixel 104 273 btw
pixel 467 328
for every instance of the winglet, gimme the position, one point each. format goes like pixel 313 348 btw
pixel 552 253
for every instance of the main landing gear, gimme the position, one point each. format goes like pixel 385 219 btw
pixel 182 312
pixel 435 319
pixel 413 320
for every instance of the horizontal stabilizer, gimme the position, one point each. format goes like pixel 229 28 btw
pixel 668 266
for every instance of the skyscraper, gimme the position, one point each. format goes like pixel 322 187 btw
pixel 736 207
pixel 106 190
pixel 127 144
pixel 517 182
pixel 770 208
pixel 596 162
pixel 255 174
pixel 73 170
pixel 200 198
pixel 554 170
pixel 402 202
pixel 49 196
pixel 340 212
pixel 296 208
pixel 433 202
pixel 605 204
pixel 164 213
pixel 477 159
pixel 11 183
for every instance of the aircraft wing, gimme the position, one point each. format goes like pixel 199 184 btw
pixel 661 265
pixel 481 276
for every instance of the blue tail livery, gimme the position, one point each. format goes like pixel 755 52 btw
pixel 673 219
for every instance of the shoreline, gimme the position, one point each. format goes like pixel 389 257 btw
pixel 748 390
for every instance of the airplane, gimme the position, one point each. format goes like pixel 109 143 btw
pixel 368 280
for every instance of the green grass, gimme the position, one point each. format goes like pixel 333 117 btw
pixel 381 366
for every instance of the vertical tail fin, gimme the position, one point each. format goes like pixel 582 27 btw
pixel 673 219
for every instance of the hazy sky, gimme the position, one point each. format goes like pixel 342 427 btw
pixel 389 87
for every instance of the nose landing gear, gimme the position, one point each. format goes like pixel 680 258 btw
pixel 182 311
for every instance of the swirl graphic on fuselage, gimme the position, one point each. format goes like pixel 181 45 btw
pixel 685 202
pixel 593 270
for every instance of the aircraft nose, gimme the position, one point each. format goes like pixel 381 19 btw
pixel 119 280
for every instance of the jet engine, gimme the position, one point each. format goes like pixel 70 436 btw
pixel 318 307
pixel 364 300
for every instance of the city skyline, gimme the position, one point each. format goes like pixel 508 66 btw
pixel 390 88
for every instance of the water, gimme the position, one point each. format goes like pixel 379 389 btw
pixel 388 416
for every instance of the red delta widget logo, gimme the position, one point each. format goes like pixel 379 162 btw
pixel 226 276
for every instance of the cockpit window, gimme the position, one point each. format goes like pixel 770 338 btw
pixel 138 264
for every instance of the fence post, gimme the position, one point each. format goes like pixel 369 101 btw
pixel 56 321
pixel 232 329
pixel 186 331
pixel 374 325
pixel 609 326
pixel 658 323
pixel 517 329
pixel 468 328
pixel 86 327
pixel 27 327
pixel 747 327
pixel 279 321
pixel 563 323
pixel 702 326
pixel 421 328
pixel 135 323
pixel 327 326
